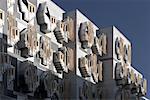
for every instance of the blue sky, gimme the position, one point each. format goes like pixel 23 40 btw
pixel 132 17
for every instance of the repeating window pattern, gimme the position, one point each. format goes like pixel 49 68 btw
pixel 31 8
pixel 50 52
pixel 13 31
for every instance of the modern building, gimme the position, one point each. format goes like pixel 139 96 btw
pixel 47 53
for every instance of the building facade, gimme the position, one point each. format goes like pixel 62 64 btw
pixel 47 53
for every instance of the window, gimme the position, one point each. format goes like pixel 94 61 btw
pixel 86 30
pixel 91 63
pixel 37 43
pixel 61 25
pixel 31 8
pixel 42 47
pixel 65 28
pixel 53 20
pixel 61 57
pixel 1 15
pixel 27 37
pixel 16 32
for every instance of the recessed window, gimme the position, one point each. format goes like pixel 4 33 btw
pixel 16 32
pixel 42 47
pixel 90 63
pixel 61 56
pixel 61 25
pixel 1 15
pixel 86 30
pixel 65 28
pixel 37 43
pixel 31 8
pixel 52 20
pixel 27 37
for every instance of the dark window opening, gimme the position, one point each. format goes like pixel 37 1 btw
pixel 1 15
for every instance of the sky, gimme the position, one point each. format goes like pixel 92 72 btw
pixel 132 17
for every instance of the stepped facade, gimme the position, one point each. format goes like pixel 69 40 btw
pixel 47 53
